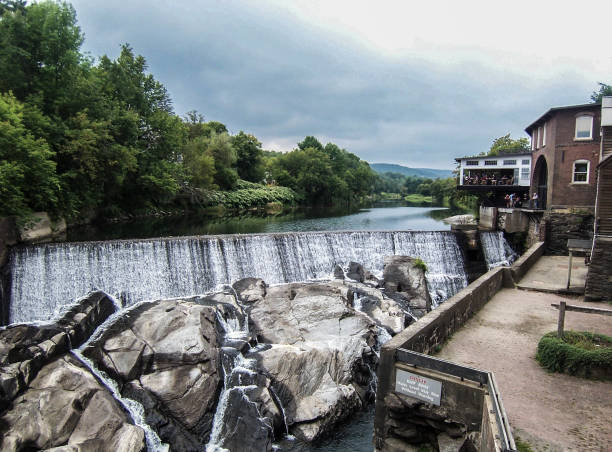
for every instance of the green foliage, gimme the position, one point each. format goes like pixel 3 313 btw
pixel 419 263
pixel 582 354
pixel 507 145
pixel 604 90
pixel 247 195
pixel 27 172
pixel 522 445
pixel 249 157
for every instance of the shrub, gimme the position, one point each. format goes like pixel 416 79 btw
pixel 582 354
pixel 419 263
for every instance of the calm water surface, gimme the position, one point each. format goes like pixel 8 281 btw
pixel 382 216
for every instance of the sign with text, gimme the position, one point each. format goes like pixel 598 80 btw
pixel 418 386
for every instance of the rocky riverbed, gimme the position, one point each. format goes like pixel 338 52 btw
pixel 234 370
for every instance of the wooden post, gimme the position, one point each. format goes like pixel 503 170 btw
pixel 561 319
pixel 569 270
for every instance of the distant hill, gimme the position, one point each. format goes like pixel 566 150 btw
pixel 429 173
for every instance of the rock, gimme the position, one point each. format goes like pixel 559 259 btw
pixel 448 444
pixel 402 277
pixel 468 219
pixel 250 290
pixel 66 407
pixel 321 362
pixel 355 272
pixel 385 311
pixel 166 355
pixel 338 272
pixel 25 348
pixel 41 228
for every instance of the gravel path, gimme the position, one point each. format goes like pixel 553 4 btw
pixel 553 412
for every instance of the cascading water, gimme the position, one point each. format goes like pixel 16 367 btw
pixel 496 249
pixel 44 277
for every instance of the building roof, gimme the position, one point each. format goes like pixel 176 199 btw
pixel 550 112
pixel 502 155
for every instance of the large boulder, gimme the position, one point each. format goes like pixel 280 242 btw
pixel 166 355
pixel 249 290
pixel 321 362
pixel 66 407
pixel 25 348
pixel 404 280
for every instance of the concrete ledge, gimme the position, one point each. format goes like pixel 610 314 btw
pixel 526 261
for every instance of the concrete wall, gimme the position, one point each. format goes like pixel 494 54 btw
pixel 432 331
pixel 488 218
pixel 512 220
pixel 599 276
pixel 526 261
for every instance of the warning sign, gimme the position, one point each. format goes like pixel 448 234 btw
pixel 418 386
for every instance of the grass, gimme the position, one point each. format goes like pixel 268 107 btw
pixel 522 446
pixel 417 198
pixel 582 354
pixel 419 263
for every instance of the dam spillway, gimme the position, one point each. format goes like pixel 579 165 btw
pixel 43 278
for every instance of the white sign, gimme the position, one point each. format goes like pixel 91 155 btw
pixel 418 386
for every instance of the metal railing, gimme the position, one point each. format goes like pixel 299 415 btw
pixel 483 378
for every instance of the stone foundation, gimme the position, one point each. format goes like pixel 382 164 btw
pixel 562 225
pixel 599 276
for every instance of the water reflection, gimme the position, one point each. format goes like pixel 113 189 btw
pixel 380 216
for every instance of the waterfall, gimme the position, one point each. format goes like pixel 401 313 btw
pixel 496 249
pixel 44 277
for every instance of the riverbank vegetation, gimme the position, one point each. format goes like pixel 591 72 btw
pixel 83 137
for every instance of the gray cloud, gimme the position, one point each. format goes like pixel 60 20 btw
pixel 263 71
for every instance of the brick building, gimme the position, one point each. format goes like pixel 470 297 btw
pixel 565 142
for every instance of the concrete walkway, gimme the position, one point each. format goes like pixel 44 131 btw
pixel 549 274
pixel 553 412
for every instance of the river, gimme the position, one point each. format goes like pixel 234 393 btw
pixel 389 216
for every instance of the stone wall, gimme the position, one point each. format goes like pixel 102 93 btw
pixel 526 261
pixel 599 276
pixel 488 218
pixel 565 224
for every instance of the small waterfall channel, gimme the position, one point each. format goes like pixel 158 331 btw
pixel 45 277
pixel 496 249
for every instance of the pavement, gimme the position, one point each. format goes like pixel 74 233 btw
pixel 549 274
pixel 552 412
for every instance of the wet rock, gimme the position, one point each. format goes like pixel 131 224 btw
pixel 166 355
pixel 250 290
pixel 26 348
pixel 321 362
pixel 385 311
pixel 406 283
pixel 355 272
pixel 66 406
pixel 338 272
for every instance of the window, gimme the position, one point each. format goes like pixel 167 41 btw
pixel 490 162
pixel 544 135
pixel 534 139
pixel 580 174
pixel 471 163
pixel 584 127
pixel 540 137
pixel 525 173
pixel 509 162
pixel 525 162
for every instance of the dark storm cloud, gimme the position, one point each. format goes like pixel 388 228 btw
pixel 265 72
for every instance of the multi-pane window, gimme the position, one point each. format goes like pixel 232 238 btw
pixel 490 162
pixel 584 127
pixel 524 173
pixel 471 163
pixel 580 174
pixel 525 162
pixel 509 162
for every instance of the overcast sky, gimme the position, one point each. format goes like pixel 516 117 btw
pixel 390 81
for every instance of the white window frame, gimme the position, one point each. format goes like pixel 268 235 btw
pixel 588 172
pixel 535 139
pixel 544 135
pixel 590 137
pixel 540 141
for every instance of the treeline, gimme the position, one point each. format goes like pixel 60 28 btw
pixel 80 137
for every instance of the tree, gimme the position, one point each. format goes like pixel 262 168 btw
pixel 310 142
pixel 27 172
pixel 604 90
pixel 507 145
pixel 249 154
